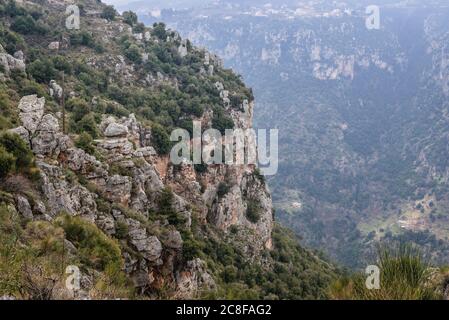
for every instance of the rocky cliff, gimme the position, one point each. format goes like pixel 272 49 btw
pixel 153 257
pixel 93 109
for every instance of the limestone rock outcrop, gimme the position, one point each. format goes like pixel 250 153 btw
pixel 12 63
pixel 31 112
pixel 132 177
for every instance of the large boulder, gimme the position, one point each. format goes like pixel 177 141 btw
pixel 55 89
pixel 116 130
pixel 11 63
pixel 64 196
pixel 80 161
pixel 173 240
pixel 48 139
pixel 146 187
pixel 24 208
pixel 118 189
pixel 31 111
pixel 54 45
pixel 115 150
pixel 149 246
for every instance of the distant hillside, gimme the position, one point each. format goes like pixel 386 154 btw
pixel 362 115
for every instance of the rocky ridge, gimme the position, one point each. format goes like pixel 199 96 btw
pixel 125 146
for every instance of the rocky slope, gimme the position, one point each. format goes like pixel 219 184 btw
pixel 101 193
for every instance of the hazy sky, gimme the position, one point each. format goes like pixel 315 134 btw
pixel 116 2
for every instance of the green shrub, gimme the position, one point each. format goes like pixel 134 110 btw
pixel 103 205
pixel 160 139
pixel 11 41
pixel 234 229
pixel 7 162
pixel 12 10
pixel 221 122
pixel 88 124
pixel 82 38
pixel 200 168
pixel 121 230
pixel 133 53
pixel 165 200
pixel 229 274
pixel 42 70
pixel 94 247
pixel 15 145
pixel 24 25
pixel 117 169
pixel 78 107
pixel 84 142
pixel 253 211
pixel 139 28
pixel 191 248
pixel 159 31
pixel 117 110
pixel 62 64
pixel 130 18
pixel 259 175
pixel 31 259
pixel 8 111
pixel 223 189
pixel 165 205
pixel 109 13
pixel 30 87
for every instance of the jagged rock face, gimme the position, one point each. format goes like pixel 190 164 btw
pixel 147 184
pixel 173 240
pixel 41 132
pixel 138 191
pixel 24 208
pixel 149 246
pixel 118 189
pixel 63 196
pixel 79 161
pixel 231 209
pixel 116 149
pixel 12 63
pixel 193 278
pixel 157 259
pixel 47 138
pixel 31 112
pixel 115 130
pixel 158 214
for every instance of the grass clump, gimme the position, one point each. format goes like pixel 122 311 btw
pixel 95 248
pixel 404 275
pixel 253 211
pixel 15 156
